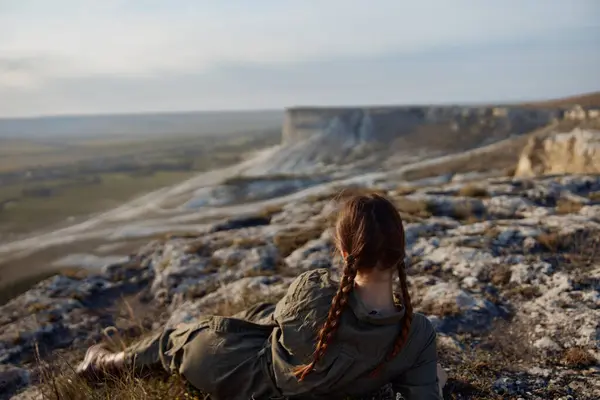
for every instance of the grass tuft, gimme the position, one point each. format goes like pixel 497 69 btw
pixel 564 206
pixel 473 191
pixel 441 309
pixel 576 357
pixel 289 240
pixel 550 241
pixel 501 275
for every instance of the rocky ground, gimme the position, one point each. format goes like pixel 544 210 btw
pixel 508 271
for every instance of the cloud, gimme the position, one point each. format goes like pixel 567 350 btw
pixel 116 38
pixel 19 73
pixel 476 74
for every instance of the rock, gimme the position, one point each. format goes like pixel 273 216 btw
pixel 546 343
pixel 510 386
pixel 580 184
pixel 175 271
pixel 504 206
pixel 529 244
pixel 432 226
pixel 31 393
pixel 590 211
pixel 12 379
pixel 314 254
pixel 240 293
pixel 89 261
pixel 576 152
pixel 470 282
pixel 534 273
pixel 260 259
pixel 467 272
pixel 461 261
pixel 447 206
pixel 457 311
pixel 449 343
pixel 241 222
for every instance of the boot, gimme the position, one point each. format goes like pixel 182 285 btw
pixel 99 362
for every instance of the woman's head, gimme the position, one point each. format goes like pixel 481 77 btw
pixel 369 231
pixel 369 235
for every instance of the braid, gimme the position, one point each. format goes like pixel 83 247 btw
pixel 408 313
pixel 406 321
pixel 329 328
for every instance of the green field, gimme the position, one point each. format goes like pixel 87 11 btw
pixel 44 183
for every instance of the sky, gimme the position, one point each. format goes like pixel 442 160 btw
pixel 120 56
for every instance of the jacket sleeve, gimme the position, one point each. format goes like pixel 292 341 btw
pixel 420 382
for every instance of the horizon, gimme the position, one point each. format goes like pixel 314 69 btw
pixel 81 58
pixel 513 103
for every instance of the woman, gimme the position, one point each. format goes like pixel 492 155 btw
pixel 324 339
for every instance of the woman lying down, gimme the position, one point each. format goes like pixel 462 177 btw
pixel 324 339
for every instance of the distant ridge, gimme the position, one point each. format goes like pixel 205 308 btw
pixel 183 123
pixel 585 100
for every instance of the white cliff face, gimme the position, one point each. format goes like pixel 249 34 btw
pixel 577 151
pixel 320 137
pixel 383 123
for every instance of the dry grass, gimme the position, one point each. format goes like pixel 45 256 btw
pixel 418 208
pixel 576 357
pixel 594 196
pixel 577 251
pixel 157 384
pixel 271 210
pixel 60 382
pixel 178 235
pixel 503 158
pixel 473 371
pixel 75 273
pixel 35 308
pixel 525 292
pixel 343 193
pixel 465 211
pixel 441 309
pixel 510 171
pixel 501 275
pixel 550 241
pixel 404 190
pixel 564 206
pixel 248 242
pixel 200 248
pixel 473 191
pixel 289 240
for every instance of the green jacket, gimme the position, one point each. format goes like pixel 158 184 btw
pixel 251 354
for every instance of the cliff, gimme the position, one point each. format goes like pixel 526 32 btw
pixel 575 152
pixel 387 123
pixel 314 138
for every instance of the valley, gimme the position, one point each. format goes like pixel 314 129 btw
pixel 504 265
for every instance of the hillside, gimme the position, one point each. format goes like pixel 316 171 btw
pixel 488 262
pixel 584 100
pixel 505 268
